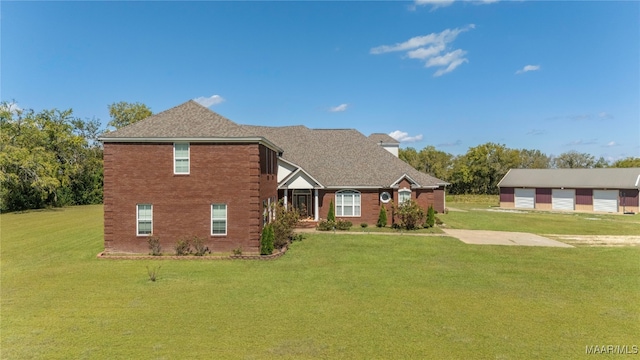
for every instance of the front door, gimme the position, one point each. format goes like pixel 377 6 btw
pixel 302 203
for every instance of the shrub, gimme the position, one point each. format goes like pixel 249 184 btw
pixel 431 218
pixel 266 241
pixel 199 246
pixel 382 217
pixel 343 225
pixel 153 272
pixel 410 215
pixel 438 221
pixel 286 220
pixel 183 247
pixel 326 225
pixel 237 251
pixel 364 225
pixel 154 245
pixel 332 213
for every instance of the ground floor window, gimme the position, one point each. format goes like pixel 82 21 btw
pixel 218 219
pixel 144 217
pixel 347 203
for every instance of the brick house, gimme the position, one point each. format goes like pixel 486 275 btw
pixel 189 171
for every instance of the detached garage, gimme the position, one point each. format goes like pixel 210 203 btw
pixel 610 190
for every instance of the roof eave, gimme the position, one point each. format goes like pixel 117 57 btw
pixel 235 140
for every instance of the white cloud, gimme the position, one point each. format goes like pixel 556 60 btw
pixel 209 101
pixel 339 108
pixel 611 144
pixel 528 68
pixel 402 136
pixel 429 49
pixel 444 3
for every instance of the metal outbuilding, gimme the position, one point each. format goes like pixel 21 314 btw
pixel 611 190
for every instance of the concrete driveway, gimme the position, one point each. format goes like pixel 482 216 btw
pixel 484 237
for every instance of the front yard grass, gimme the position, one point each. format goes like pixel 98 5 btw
pixel 482 213
pixel 330 296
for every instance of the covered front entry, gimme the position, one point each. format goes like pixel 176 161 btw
pixel 302 201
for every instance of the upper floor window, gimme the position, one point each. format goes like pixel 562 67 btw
pixel 347 203
pixel 144 217
pixel 181 158
pixel 404 195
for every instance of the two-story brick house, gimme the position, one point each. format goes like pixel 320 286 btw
pixel 188 171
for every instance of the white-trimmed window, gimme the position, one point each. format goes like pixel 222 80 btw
pixel 347 203
pixel 404 195
pixel 385 197
pixel 181 158
pixel 144 219
pixel 218 219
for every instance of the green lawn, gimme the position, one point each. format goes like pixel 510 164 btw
pixel 482 213
pixel 331 296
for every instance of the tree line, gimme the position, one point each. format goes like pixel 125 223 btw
pixel 53 158
pixel 481 168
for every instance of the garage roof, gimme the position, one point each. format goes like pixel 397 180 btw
pixel 607 178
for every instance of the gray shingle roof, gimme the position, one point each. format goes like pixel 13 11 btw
pixel 383 138
pixel 341 157
pixel 188 120
pixel 334 157
pixel 609 178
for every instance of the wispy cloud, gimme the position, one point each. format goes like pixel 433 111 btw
pixel 339 108
pixel 611 144
pixel 601 116
pixel 536 132
pixel 450 144
pixel 435 4
pixel 209 101
pixel 429 49
pixel 528 68
pixel 402 136
pixel 583 142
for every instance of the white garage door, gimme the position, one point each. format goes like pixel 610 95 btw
pixel 605 200
pixel 563 199
pixel 524 198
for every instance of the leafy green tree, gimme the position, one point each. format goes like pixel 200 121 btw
pixel 331 216
pixel 382 217
pixel 409 214
pixel 627 163
pixel 284 223
pixel 124 113
pixel 481 168
pixel 533 159
pixel 45 160
pixel 576 160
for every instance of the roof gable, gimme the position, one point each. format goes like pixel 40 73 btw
pixel 187 120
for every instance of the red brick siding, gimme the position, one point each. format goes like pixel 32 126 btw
pixel 142 173
pixel 507 195
pixel 584 197
pixel 543 196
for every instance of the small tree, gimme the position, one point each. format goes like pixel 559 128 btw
pixel 266 241
pixel 382 217
pixel 410 215
pixel 331 216
pixel 431 217
pixel 283 225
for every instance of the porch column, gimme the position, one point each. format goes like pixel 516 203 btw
pixel 316 211
pixel 285 198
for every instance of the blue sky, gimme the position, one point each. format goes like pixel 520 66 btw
pixel 553 76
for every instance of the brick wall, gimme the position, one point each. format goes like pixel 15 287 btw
pixel 142 173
